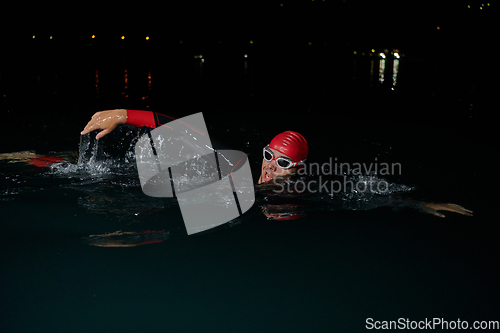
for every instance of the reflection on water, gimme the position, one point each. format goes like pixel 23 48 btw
pixel 149 79
pixel 137 81
pixel 217 75
pixel 381 71
pixel 372 68
pixel 97 83
pixel 198 65
pixel 386 71
pixel 381 66
pixel 395 70
pixel 125 80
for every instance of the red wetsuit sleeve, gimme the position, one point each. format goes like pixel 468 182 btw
pixel 147 118
pixel 141 118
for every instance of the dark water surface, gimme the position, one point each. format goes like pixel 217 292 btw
pixel 327 271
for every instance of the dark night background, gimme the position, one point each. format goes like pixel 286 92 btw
pixel 301 59
pixel 309 67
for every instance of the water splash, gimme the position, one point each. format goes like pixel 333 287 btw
pixel 110 157
pixel 313 193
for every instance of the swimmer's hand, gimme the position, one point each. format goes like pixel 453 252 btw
pixel 432 208
pixel 105 120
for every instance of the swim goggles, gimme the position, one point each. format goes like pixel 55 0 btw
pixel 282 162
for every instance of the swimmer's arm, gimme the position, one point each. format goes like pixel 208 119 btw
pixel 434 208
pixel 108 120
pixel 425 207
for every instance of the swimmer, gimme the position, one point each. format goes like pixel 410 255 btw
pixel 284 155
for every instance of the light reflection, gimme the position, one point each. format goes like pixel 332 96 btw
pixel 125 79
pixel 386 74
pixel 97 83
pixel 145 78
pixel 372 66
pixel 381 71
pixel 395 70
pixel 199 64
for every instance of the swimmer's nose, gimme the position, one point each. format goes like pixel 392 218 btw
pixel 272 165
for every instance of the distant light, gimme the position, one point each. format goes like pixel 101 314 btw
pixel 93 36
pixel 180 42
pixel 355 52
pixel 147 37
pixel 373 50
pixel 123 37
pixel 488 4
pixel 310 43
pixel 50 37
pixel 438 27
pixel 381 55
pixel 202 60
pixel 396 55
pixel 245 55
pixel 468 6
pixel 33 36
pixel 251 41
pixel 281 5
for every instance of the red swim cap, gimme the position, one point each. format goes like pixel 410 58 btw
pixel 292 144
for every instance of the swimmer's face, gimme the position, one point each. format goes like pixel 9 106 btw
pixel 271 170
